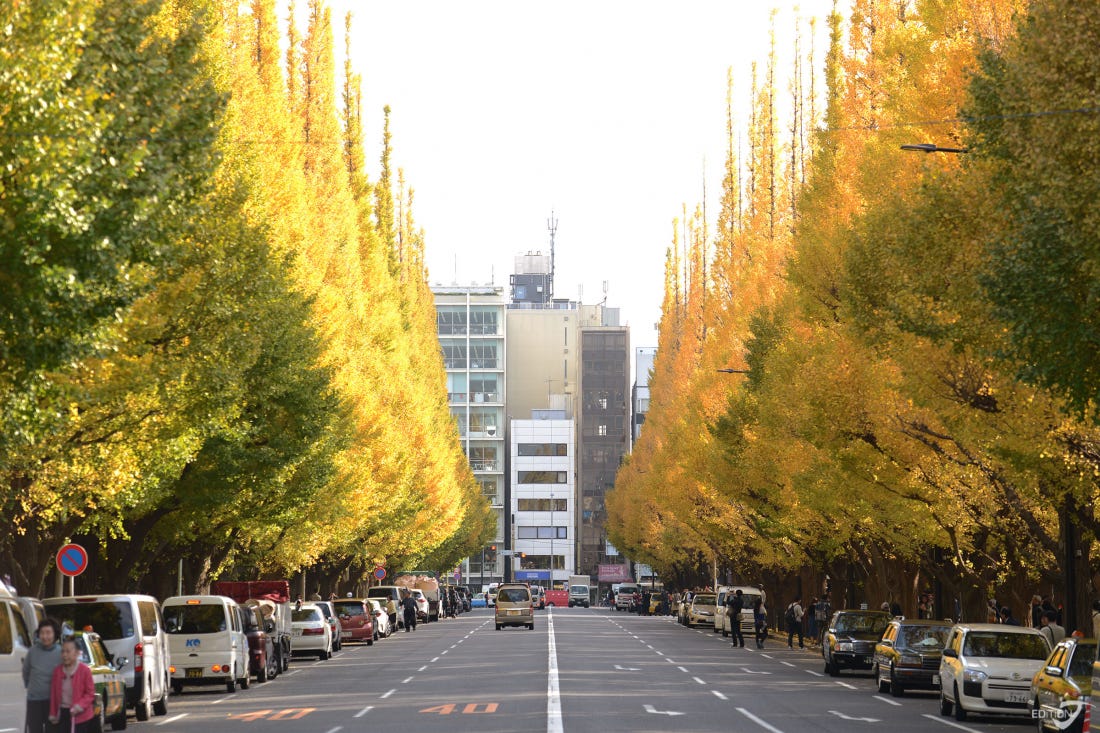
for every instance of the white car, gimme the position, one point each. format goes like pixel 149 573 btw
pixel 421 604
pixel 987 669
pixel 383 624
pixel 312 633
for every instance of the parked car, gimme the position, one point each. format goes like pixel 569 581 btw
pixel 908 655
pixel 312 634
pixel 1060 691
pixel 356 619
pixel 423 608
pixel 110 689
pixel 130 626
pixel 479 601
pixel 514 606
pixel 702 609
pixel 207 642
pixel 988 668
pixel 849 639
pixel 749 596
pixel 390 595
pixel 15 642
pixel 384 624
pixel 333 619
pixel 263 661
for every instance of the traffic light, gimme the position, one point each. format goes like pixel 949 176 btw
pixel 523 556
pixel 492 548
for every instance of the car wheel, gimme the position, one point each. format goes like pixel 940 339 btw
pixel 960 711
pixel 896 688
pixel 530 627
pixel 231 685
pixel 160 707
pixel 370 641
pixel 261 676
pixel 245 681
pixel 833 668
pixel 945 704
pixel 119 721
pixel 322 655
pixel 142 710
pixel 177 687
pixel 882 684
pixel 498 627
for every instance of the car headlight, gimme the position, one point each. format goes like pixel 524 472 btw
pixel 909 660
pixel 974 675
pixel 844 646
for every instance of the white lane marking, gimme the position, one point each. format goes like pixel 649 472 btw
pixel 435 659
pixel 669 660
pixel 173 719
pixel 661 653
pixel 363 712
pixel 553 693
pixel 699 680
pixel 886 699
pixel 422 668
pixel 842 716
pixel 655 711
pixel 223 699
pixel 337 728
pixel 406 681
pixel 767 656
pixel 683 669
pixel 389 693
pixel 845 684
pixel 762 723
pixel 293 671
pixel 950 723
pixel 444 652
pixel 719 695
pixel 815 674
pixel 787 663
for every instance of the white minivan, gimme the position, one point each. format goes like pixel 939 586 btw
pixel 131 626
pixel 207 642
pixel 15 641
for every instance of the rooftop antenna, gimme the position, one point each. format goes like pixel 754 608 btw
pixel 552 225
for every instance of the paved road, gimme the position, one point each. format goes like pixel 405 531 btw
pixel 614 672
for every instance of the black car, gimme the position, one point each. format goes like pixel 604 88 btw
pixel 908 655
pixel 849 639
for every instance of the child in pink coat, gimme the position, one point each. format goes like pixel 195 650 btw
pixel 72 692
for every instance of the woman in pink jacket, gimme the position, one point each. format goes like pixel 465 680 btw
pixel 72 692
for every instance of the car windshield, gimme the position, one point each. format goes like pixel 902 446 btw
pixel 514 595
pixel 748 600
pixel 109 619
pixel 306 614
pixel 858 623
pixel 379 593
pixel 923 637
pixel 1005 644
pixel 1080 665
pixel 350 608
pixel 194 619
pixel 704 600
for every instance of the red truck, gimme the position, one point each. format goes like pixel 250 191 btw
pixel 273 599
pixel 559 598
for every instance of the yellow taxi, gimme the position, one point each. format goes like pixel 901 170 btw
pixel 110 690
pixel 908 655
pixel 1060 689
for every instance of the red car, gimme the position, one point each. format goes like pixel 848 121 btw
pixel 356 620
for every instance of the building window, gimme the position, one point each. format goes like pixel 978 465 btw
pixel 543 477
pixel 483 356
pixel 454 355
pixel 542 533
pixel 451 322
pixel 601 430
pixel 543 505
pixel 543 449
pixel 537 562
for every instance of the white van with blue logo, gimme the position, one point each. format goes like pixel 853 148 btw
pixel 207 642
pixel 15 641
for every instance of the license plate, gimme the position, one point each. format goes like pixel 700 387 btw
pixel 935 679
pixel 513 612
pixel 345 634
pixel 297 633
pixel 1015 697
pixel 194 673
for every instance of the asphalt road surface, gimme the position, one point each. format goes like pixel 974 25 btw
pixel 579 670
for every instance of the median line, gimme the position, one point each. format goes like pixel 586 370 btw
pixel 553 692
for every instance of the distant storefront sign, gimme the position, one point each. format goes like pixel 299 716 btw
pixel 615 574
pixel 532 575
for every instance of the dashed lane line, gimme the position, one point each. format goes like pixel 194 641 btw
pixel 719 695
pixel 364 711
pixel 389 693
pixel 762 723
pixel 699 680
pixel 845 684
pixel 950 723
pixel 887 700
pixel 173 719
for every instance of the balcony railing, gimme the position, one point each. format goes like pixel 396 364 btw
pixel 483 465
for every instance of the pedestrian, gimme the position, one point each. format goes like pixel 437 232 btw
pixel 760 622
pixel 811 617
pixel 993 614
pixel 644 611
pixel 408 608
pixel 735 602
pixel 1036 612
pixel 793 617
pixel 1050 628
pixel 821 615
pixel 72 692
pixel 895 609
pixel 38 666
pixel 1006 618
pixel 1096 619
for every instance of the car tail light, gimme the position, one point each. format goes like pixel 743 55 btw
pixel 219 668
pixel 313 632
pixel 172 669
pixel 139 657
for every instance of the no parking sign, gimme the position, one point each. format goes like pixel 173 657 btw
pixel 72 560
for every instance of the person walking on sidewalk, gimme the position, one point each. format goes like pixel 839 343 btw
pixel 735 602
pixel 793 617
pixel 760 622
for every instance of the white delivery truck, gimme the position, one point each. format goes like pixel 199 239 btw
pixel 579 593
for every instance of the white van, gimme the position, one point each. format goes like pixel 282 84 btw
pixel 15 642
pixel 131 626
pixel 207 642
pixel 749 595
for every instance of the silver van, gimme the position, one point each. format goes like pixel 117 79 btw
pixel 131 626
pixel 207 642
pixel 15 642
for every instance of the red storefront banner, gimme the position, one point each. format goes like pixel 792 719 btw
pixel 615 574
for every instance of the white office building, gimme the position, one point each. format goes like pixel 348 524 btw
pixel 543 470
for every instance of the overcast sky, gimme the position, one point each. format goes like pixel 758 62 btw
pixel 609 113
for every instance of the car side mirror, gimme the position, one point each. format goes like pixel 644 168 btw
pixel 951 653
pixel 120 662
pixel 269 626
pixel 1052 671
pixel 887 643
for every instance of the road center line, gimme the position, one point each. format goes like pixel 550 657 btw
pixel 553 693
pixel 950 723
pixel 389 693
pixel 762 723
pixel 364 711
pixel 173 719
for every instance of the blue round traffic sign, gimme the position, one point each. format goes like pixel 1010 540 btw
pixel 72 560
pixel 379 573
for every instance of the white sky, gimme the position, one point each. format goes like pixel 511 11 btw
pixel 605 111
